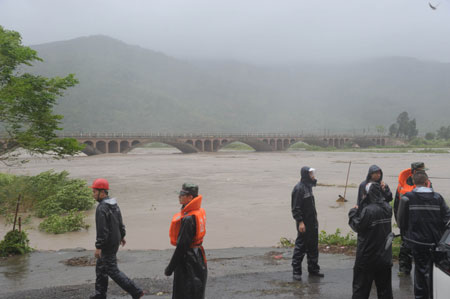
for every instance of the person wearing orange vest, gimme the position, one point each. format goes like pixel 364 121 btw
pixel 405 185
pixel 110 234
pixel 188 262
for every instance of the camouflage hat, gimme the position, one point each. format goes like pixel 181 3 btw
pixel 418 165
pixel 189 189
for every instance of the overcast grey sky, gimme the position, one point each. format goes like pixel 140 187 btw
pixel 258 31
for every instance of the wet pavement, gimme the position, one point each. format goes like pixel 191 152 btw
pixel 233 273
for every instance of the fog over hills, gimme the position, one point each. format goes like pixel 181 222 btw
pixel 126 88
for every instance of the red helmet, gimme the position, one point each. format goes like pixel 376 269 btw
pixel 100 184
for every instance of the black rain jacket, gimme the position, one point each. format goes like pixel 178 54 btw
pixel 373 225
pixel 387 194
pixel 189 264
pixel 110 228
pixel 303 205
pixel 422 216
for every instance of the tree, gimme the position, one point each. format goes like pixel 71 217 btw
pixel 381 129
pixel 430 136
pixel 404 127
pixel 26 104
pixel 444 133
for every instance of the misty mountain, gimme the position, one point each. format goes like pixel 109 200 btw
pixel 126 88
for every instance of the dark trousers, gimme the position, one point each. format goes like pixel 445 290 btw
pixel 107 266
pixel 423 274
pixel 364 276
pixel 306 243
pixel 405 258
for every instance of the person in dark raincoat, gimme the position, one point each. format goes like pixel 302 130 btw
pixel 372 221
pixel 304 212
pixel 110 234
pixel 405 185
pixel 375 174
pixel 422 217
pixel 188 261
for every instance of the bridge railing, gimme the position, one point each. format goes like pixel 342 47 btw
pixel 206 135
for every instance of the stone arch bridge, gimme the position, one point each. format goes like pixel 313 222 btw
pixel 191 143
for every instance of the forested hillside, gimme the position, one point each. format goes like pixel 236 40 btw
pixel 126 88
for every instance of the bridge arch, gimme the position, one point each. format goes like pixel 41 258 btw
pixel 207 145
pixel 199 145
pixel 216 145
pixel 134 143
pixel 257 145
pixel 88 142
pixel 279 144
pixel 124 145
pixel 183 147
pixel 286 143
pixel 101 146
pixel 113 147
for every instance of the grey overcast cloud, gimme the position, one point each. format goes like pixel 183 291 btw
pixel 256 31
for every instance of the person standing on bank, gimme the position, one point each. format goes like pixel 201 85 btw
pixel 422 217
pixel 372 221
pixel 405 185
pixel 188 261
pixel 303 209
pixel 374 175
pixel 110 234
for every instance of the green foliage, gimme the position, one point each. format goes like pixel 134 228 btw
pixel 404 127
pixel 337 238
pixel 15 242
pixel 430 136
pixel 444 133
pixel 59 224
pixel 27 102
pixel 71 195
pixel 286 243
pixel 47 194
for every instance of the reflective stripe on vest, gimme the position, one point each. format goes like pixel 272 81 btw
pixel 191 209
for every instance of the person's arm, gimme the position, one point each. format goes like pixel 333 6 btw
pixel 297 203
pixel 403 214
pixel 123 232
pixel 387 194
pixel 396 200
pixel 102 227
pixel 360 194
pixel 445 211
pixel 184 241
pixel 359 220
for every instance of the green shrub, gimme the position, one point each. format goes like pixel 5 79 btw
pixel 47 194
pixel 337 238
pixel 15 242
pixel 58 224
pixel 74 195
pixel 47 183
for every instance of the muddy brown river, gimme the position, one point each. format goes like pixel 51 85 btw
pixel 246 194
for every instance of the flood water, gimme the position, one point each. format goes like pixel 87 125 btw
pixel 246 195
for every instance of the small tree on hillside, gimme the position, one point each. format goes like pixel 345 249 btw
pixel 26 104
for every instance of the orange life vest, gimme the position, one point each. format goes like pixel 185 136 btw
pixel 403 186
pixel 192 208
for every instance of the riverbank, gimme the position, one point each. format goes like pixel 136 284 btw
pixel 232 273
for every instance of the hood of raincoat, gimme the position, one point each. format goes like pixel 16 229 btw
pixel 374 193
pixel 372 169
pixel 305 178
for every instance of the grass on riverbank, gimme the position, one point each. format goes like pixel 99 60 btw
pixel 337 243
